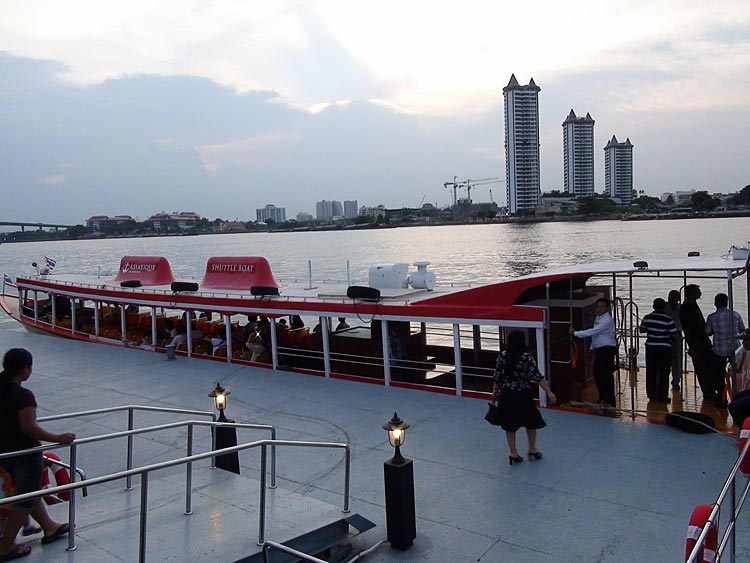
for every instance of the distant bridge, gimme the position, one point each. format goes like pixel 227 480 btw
pixel 40 226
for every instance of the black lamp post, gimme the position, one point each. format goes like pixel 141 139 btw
pixel 226 437
pixel 398 471
pixel 219 395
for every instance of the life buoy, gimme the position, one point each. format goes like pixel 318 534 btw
pixel 62 477
pixel 699 518
pixel 744 435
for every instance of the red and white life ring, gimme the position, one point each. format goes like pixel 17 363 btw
pixel 744 436
pixel 697 522
pixel 62 477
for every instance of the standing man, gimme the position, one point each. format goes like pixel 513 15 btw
pixel 673 310
pixel 604 345
pixel 660 330
pixel 699 346
pixel 725 326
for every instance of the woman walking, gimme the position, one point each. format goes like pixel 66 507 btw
pixel 514 373
pixel 19 430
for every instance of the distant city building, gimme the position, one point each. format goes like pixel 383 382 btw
pixel 304 217
pixel 163 220
pixel 521 144
pixel 578 155
pixel 271 212
pixel 680 197
pixel 231 226
pixel 337 210
pixel 96 222
pixel 366 211
pixel 618 171
pixel 323 210
pixel 350 209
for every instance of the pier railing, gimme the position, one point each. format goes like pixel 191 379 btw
pixel 736 499
pixel 187 460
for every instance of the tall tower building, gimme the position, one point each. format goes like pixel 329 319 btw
pixel 618 170
pixel 578 155
pixel 323 210
pixel 521 144
pixel 350 209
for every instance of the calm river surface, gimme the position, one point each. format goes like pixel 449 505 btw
pixel 477 253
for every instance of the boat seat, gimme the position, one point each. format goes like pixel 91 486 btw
pixel 221 352
pixel 201 348
pixel 182 347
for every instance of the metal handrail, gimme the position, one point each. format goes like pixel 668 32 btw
pixel 713 518
pixel 268 545
pixel 187 460
pixel 131 419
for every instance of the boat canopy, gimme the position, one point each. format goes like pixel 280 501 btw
pixel 238 272
pixel 149 270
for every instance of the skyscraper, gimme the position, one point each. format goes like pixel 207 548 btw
pixel 350 209
pixel 337 210
pixel 323 210
pixel 618 170
pixel 578 155
pixel 521 144
pixel 275 214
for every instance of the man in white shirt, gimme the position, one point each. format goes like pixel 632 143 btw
pixel 604 345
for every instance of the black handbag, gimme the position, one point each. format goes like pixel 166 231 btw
pixel 493 413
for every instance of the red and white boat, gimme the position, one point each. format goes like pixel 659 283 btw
pixel 401 329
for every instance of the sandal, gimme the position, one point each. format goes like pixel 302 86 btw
pixel 534 455
pixel 18 551
pixel 57 534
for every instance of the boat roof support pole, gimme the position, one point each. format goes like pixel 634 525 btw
pixel 97 314
pixel 53 301
pixel 189 332
pixel 548 329
pixel 123 328
pixel 734 329
pixel 386 352
pixel 36 305
pixel 228 326
pixel 72 316
pixel 274 344
pixel 153 327
pixel 541 360
pixel 325 335
pixel 457 356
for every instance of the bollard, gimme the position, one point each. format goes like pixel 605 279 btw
pixel 170 351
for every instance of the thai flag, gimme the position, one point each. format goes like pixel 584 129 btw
pixel 50 263
pixel 7 282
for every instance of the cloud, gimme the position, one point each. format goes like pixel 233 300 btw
pixel 53 180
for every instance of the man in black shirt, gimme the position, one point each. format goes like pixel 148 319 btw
pixel 699 345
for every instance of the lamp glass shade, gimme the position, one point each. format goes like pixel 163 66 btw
pixel 221 402
pixel 396 430
pixel 219 395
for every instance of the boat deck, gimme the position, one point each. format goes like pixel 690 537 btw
pixel 607 489
pixel 636 405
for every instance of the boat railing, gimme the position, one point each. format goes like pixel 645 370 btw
pixel 131 409
pixel 736 498
pixel 271 545
pixel 144 471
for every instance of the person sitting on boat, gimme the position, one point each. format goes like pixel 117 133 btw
pixel 218 341
pixel 342 325
pixel 255 345
pixel 515 371
pixel 296 322
pixel 660 330
pixel 604 346
pixel 180 337
pixel 719 325
pixel 739 408
pixel 19 430
pixel 699 345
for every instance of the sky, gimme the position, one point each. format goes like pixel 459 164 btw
pixel 224 106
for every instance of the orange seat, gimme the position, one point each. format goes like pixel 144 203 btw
pixel 216 328
pixel 221 352
pixel 201 348
pixel 203 325
pixel 182 347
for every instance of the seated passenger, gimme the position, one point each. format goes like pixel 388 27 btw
pixel 342 324
pixel 180 337
pixel 296 322
pixel 255 346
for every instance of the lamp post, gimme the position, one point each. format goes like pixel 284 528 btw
pixel 219 395
pixel 398 471
pixel 226 436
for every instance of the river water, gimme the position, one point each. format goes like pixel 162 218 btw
pixel 476 253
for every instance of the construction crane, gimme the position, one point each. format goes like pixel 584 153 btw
pixel 481 182
pixel 453 185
